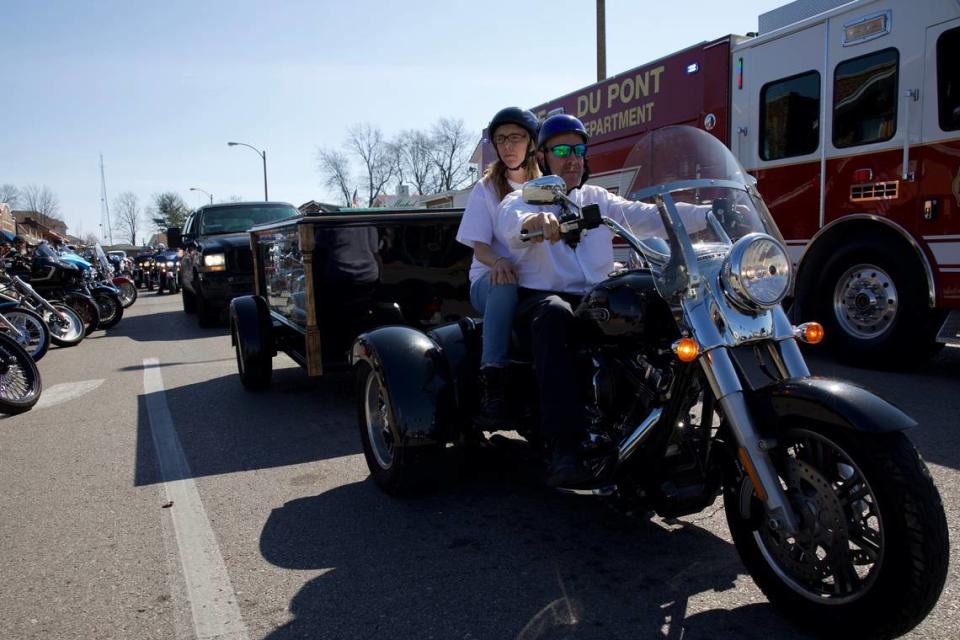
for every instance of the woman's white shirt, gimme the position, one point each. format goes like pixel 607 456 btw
pixel 478 222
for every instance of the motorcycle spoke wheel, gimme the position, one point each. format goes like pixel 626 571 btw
pixel 19 378
pixel 33 336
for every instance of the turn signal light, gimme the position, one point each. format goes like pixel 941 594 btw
pixel 810 332
pixel 686 349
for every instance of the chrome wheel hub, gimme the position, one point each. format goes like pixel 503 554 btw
pixel 865 301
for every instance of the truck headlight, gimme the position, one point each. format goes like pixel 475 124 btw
pixel 756 273
pixel 214 262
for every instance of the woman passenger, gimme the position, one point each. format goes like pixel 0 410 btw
pixel 493 279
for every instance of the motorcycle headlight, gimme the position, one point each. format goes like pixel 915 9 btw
pixel 169 264
pixel 215 262
pixel 756 273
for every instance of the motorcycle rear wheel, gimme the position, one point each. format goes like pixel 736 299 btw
pixel 396 468
pixel 34 334
pixel 20 384
pixel 872 555
pixel 64 333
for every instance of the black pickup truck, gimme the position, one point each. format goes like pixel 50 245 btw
pixel 217 264
pixel 322 280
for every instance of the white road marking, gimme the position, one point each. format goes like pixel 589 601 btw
pixel 213 603
pixel 60 393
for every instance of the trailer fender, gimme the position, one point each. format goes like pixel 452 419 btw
pixel 250 317
pixel 413 370
pixel 829 401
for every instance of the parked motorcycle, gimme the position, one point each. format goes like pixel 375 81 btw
pixel 20 384
pixel 25 326
pixel 695 386
pixel 58 280
pixel 65 325
pixel 96 283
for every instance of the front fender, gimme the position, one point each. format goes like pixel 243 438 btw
pixel 414 372
pixel 829 401
pixel 251 318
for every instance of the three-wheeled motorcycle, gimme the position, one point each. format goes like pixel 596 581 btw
pixel 695 386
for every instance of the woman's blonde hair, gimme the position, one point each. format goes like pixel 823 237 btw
pixel 496 172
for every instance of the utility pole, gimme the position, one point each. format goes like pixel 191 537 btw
pixel 601 40
pixel 104 205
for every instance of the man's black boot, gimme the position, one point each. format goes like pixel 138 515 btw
pixel 493 401
pixel 567 470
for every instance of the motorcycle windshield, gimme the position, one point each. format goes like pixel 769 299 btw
pixel 710 199
pixel 101 258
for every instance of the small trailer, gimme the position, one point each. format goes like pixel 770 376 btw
pixel 322 280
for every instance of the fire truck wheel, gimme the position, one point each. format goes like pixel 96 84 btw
pixel 873 305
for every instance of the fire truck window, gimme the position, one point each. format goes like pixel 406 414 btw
pixel 948 79
pixel 865 99
pixel 790 116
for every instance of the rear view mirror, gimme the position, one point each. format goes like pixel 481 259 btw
pixel 545 190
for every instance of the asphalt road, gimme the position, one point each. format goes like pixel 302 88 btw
pixel 149 496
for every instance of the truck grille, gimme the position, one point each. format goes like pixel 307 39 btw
pixel 875 191
pixel 243 261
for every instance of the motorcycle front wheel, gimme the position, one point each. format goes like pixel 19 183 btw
pixel 64 331
pixel 128 293
pixel 34 335
pixel 86 308
pixel 871 556
pixel 20 384
pixel 111 309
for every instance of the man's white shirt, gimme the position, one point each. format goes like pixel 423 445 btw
pixel 547 266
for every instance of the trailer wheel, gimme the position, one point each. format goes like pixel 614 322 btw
pixel 395 467
pixel 250 332
pixel 873 305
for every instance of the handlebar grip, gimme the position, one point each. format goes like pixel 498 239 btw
pixel 526 236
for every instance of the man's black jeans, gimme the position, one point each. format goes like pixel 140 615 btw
pixel 546 319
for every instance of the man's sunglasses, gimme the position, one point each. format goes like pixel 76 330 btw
pixel 563 150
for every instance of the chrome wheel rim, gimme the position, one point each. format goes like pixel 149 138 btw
pixel 836 557
pixel 30 333
pixel 69 328
pixel 15 382
pixel 865 301
pixel 377 415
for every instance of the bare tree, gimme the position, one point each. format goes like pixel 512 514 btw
pixel 450 153
pixel 10 194
pixel 126 210
pixel 368 145
pixel 41 200
pixel 90 239
pixel 415 159
pixel 334 167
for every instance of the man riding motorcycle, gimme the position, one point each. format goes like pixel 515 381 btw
pixel 553 275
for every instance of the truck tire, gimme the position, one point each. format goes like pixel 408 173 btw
pixel 873 305
pixel 189 301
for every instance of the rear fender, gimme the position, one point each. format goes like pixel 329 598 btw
pixel 829 401
pixel 415 373
pixel 251 318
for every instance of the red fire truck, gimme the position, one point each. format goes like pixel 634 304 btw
pixel 848 115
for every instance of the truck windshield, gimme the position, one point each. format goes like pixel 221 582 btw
pixel 237 219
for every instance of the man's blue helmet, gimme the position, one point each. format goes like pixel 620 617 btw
pixel 560 123
pixel 514 115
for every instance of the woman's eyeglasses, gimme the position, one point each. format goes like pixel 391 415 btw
pixel 513 138
pixel 563 150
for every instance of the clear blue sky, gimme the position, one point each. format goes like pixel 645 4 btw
pixel 160 87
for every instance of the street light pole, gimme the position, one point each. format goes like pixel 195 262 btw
pixel 202 191
pixel 263 156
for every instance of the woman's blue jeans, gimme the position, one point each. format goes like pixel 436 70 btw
pixel 498 303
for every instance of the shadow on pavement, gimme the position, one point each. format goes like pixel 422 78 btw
pixel 467 564
pixel 297 420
